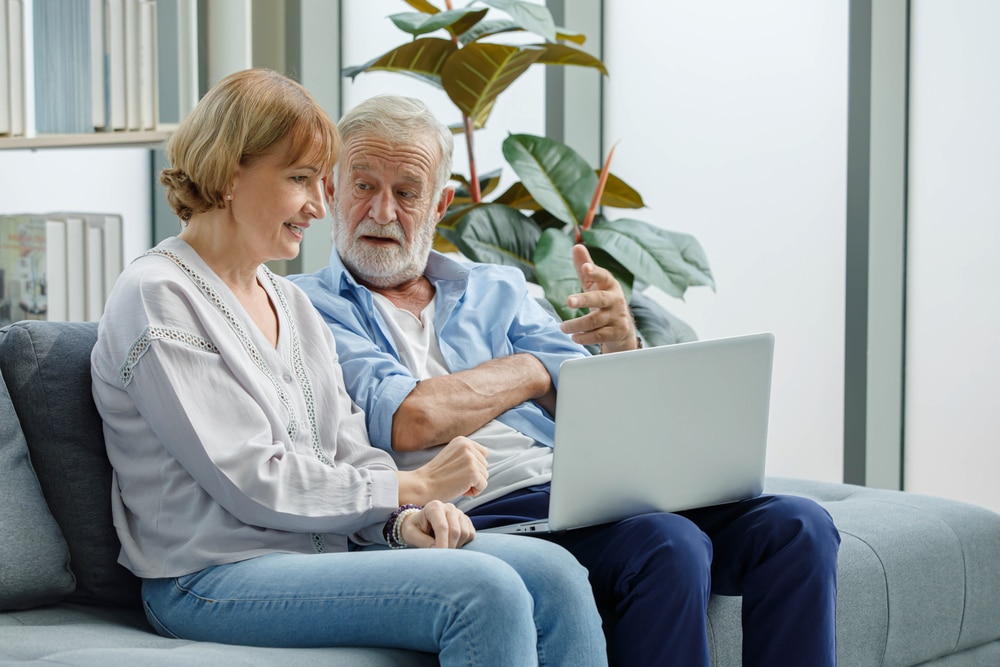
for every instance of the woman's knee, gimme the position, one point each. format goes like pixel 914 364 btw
pixel 549 571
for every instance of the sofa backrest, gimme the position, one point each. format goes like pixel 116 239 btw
pixel 46 367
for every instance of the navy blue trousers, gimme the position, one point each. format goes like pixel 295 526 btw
pixel 652 576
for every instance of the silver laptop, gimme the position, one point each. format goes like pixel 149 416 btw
pixel 658 429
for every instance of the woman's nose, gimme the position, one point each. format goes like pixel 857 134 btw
pixel 314 205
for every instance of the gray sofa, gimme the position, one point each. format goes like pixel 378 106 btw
pixel 919 576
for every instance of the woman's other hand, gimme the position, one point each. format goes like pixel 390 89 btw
pixel 438 525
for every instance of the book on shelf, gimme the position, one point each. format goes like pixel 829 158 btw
pixel 56 273
pixel 76 270
pixel 148 111
pixel 114 50
pixel 95 295
pixel 80 66
pixel 30 250
pixel 132 95
pixel 177 59
pixel 112 252
pixel 4 71
pixel 16 65
pixel 58 266
pixel 62 67
pixel 98 67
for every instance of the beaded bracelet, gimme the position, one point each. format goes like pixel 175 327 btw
pixel 392 531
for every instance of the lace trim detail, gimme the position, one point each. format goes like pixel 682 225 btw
pixel 150 334
pixel 299 367
pixel 319 544
pixel 219 302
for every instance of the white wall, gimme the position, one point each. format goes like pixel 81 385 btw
pixel 953 313
pixel 732 121
pixel 112 180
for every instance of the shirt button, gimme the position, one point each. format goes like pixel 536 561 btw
pixel 287 378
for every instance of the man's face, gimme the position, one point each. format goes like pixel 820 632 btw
pixel 385 209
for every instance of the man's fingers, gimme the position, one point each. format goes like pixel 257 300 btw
pixel 581 258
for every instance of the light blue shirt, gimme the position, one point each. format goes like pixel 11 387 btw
pixel 482 312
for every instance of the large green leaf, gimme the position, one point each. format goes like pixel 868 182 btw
pixel 422 6
pixel 455 21
pixel 487 28
pixel 424 58
pixel 669 260
pixel 517 196
pixel 497 234
pixel 657 325
pixel 533 18
pixel 560 54
pixel 490 27
pixel 620 194
pixel 546 220
pixel 564 35
pixel 475 75
pixel 488 182
pixel 556 176
pixel 556 273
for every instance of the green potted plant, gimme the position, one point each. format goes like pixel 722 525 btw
pixel 534 223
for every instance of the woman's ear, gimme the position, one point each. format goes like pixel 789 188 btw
pixel 328 189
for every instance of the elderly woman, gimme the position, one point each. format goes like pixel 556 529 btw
pixel 246 494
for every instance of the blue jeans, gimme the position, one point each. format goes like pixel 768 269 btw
pixel 653 574
pixel 499 600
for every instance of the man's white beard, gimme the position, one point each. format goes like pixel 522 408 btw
pixel 382 266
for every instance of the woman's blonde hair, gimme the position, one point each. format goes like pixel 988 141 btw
pixel 243 117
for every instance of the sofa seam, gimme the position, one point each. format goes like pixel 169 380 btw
pixel 885 583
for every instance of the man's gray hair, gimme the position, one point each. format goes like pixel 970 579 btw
pixel 400 119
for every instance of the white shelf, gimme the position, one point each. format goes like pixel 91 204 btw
pixel 151 138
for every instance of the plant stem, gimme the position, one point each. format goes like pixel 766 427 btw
pixel 474 191
pixel 601 182
pixel 473 178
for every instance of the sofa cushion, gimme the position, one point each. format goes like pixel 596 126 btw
pixel 47 368
pixel 34 559
pixel 918 576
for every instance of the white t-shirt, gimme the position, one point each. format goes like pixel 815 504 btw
pixel 515 460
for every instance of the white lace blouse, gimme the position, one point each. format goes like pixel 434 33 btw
pixel 223 446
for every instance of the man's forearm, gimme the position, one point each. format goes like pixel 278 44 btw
pixel 441 408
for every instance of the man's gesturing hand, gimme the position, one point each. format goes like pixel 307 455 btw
pixel 609 321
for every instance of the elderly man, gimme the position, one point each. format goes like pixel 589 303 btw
pixel 457 360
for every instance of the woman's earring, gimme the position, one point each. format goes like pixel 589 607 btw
pixel 229 198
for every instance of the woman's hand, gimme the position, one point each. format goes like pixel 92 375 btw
pixel 459 469
pixel 438 525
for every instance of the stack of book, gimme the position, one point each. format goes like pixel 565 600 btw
pixel 58 266
pixel 79 66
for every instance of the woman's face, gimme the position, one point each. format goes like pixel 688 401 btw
pixel 274 203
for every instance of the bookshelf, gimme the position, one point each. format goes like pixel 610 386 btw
pixel 96 72
pixel 197 43
pixel 149 138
